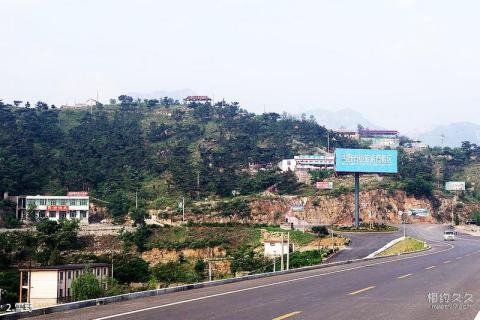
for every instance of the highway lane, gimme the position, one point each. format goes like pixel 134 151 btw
pixel 388 288
pixel 363 244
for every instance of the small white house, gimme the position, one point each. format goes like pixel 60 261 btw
pixel 287 165
pixel 50 285
pixel 273 248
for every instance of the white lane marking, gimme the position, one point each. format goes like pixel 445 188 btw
pixel 458 258
pixel 270 284
pixel 477 316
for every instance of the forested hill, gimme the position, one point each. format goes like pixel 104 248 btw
pixel 155 148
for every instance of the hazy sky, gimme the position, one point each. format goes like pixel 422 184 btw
pixel 404 64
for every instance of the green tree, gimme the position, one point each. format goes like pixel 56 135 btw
pixel 138 216
pixel 86 286
pixel 131 269
pixel 31 212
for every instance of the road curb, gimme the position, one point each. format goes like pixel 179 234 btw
pixel 158 292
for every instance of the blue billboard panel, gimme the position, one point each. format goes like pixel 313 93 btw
pixel 366 161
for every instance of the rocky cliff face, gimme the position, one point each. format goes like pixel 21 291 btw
pixel 326 209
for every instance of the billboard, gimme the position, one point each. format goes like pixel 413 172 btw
pixel 366 161
pixel 324 185
pixel 455 186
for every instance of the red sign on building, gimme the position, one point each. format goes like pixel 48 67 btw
pixel 77 193
pixel 57 208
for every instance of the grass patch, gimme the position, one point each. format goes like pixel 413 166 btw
pixel 196 237
pixel 305 258
pixel 406 245
pixel 297 237
pixel 365 227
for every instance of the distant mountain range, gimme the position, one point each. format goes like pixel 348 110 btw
pixel 453 134
pixel 341 119
pixel 174 94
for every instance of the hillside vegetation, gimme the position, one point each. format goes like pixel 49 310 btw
pixel 160 149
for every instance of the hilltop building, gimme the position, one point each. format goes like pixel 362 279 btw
pixel 380 139
pixel 377 139
pixel 88 103
pixel 196 99
pixel 308 162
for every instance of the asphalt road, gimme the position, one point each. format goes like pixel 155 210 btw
pixel 364 243
pixel 401 287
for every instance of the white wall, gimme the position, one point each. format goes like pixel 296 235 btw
pixel 274 249
pixel 43 288
pixel 287 164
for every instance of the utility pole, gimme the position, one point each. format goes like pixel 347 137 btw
pixel 288 250
pixel 453 207
pixel 328 141
pixel 333 246
pixel 357 199
pixel 198 185
pixel 209 270
pixel 274 256
pixel 183 209
pixel 281 257
pixel 112 265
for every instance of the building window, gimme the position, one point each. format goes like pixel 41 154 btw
pixel 73 202
pixel 76 274
pixel 104 270
pixel 52 214
pixel 61 293
pixel 63 202
pixel 69 275
pixel 72 214
pixel 52 202
pixel 63 214
pixel 83 213
pixel 98 272
pixel 43 202
pixel 68 292
pixel 61 276
pixel 41 214
pixel 83 202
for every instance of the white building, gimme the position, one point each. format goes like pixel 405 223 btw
pixel 88 103
pixel 75 205
pixel 308 162
pixel 51 285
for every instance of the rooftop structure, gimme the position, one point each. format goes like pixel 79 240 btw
pixel 88 103
pixel 202 99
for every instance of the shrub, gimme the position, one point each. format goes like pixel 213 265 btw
pixel 175 272
pixel 131 269
pixel 86 287
pixel 320 230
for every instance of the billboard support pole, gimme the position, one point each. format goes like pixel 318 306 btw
pixel 357 199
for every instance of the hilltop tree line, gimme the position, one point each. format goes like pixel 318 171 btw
pixel 195 150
